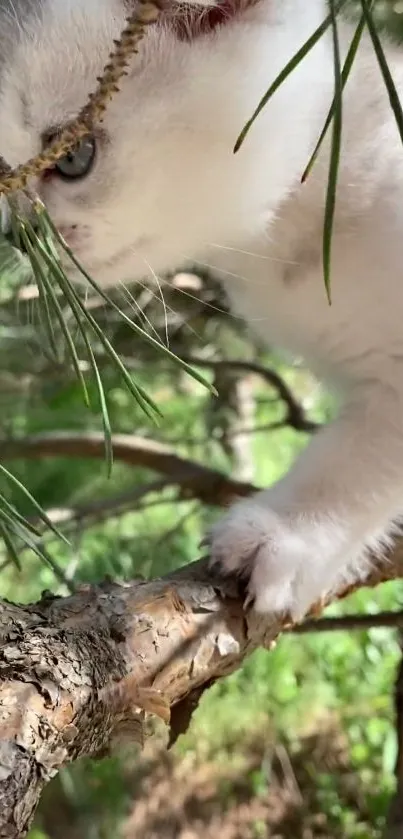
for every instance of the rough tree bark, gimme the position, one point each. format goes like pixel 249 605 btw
pixel 78 672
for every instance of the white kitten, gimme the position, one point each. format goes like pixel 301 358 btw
pixel 164 186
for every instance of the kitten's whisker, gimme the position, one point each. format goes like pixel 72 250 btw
pixel 136 307
pixel 170 309
pixel 198 299
pixel 13 17
pixel 146 287
pixel 251 253
pixel 216 268
pixel 205 302
pixel 157 280
pixel 231 274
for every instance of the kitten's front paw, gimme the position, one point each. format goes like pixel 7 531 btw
pixel 279 555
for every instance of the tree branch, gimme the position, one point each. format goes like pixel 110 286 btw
pixel 295 413
pixel 391 620
pixel 78 672
pixel 92 512
pixel 208 485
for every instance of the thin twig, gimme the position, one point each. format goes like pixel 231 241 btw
pixel 195 480
pixel 344 623
pixel 296 416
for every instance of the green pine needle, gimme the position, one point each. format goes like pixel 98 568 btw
pixel 287 70
pixel 25 492
pixel 42 243
pixel 10 544
pixel 330 203
pixel 383 65
pixel 44 218
pixel 347 67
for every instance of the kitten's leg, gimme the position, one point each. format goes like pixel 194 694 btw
pixel 301 538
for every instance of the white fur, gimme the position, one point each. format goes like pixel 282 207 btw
pixel 166 187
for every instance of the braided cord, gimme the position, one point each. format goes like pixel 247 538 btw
pixel 146 13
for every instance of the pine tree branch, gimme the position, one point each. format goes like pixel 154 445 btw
pixel 208 485
pixel 77 673
pixel 348 623
pixel 295 412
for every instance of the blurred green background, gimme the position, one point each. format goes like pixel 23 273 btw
pixel 299 743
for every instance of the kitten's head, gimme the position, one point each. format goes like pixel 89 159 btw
pixel 158 181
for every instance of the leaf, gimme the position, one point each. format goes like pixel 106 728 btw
pixel 42 278
pixel 41 513
pixel 384 67
pixel 10 546
pixel 287 70
pixel 134 326
pixel 72 301
pixel 347 67
pixel 330 203
pixel 136 390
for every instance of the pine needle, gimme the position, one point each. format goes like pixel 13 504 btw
pixel 330 204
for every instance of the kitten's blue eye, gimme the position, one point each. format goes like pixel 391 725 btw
pixel 78 162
